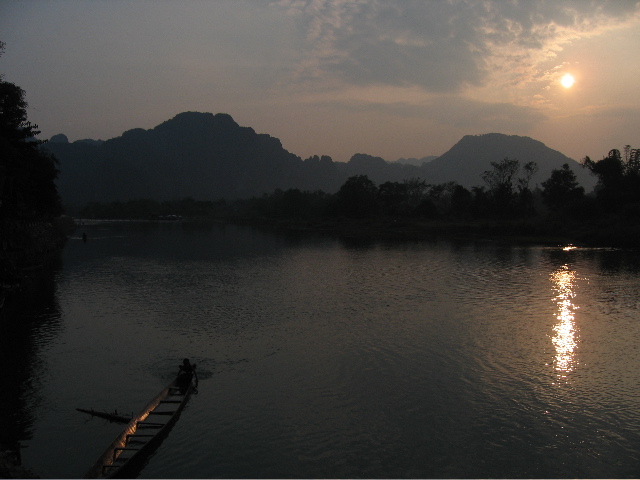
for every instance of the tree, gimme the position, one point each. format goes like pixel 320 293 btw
pixel 401 199
pixel 501 177
pixel 357 197
pixel 618 177
pixel 416 189
pixel 561 188
pixel 530 169
pixel 500 183
pixel 440 197
pixel 524 192
pixel 14 126
pixel 481 204
pixel 632 173
pixel 461 201
pixel 392 199
pixel 27 174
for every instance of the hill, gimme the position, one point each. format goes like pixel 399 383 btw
pixel 472 155
pixel 416 162
pixel 194 154
pixel 208 157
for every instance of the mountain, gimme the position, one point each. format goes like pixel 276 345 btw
pixel 208 157
pixel 472 155
pixel 194 154
pixel 377 169
pixel 416 162
pixel 60 138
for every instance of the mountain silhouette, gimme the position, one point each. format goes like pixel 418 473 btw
pixel 209 157
pixel 472 155
pixel 194 154
pixel 416 162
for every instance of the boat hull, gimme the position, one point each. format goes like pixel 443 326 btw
pixel 128 452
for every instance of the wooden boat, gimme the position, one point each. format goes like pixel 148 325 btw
pixel 144 433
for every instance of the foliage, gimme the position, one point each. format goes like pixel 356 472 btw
pixel 525 195
pixel 618 178
pixel 461 202
pixel 530 169
pixel 500 183
pixel 401 199
pixel 393 199
pixel 570 211
pixel 27 174
pixel 290 204
pixel 500 179
pixel 561 188
pixel 14 126
pixel 357 197
pixel 508 194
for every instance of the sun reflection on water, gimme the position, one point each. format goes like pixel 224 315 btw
pixel 564 331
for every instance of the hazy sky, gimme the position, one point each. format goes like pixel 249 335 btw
pixel 390 78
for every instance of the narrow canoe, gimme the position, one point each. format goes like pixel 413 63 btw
pixel 144 433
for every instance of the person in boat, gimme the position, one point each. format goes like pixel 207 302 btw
pixel 186 368
pixel 186 373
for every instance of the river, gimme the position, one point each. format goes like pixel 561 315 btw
pixel 327 357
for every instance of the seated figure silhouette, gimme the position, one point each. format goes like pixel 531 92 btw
pixel 186 373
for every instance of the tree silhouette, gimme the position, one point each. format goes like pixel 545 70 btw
pixel 392 199
pixel 500 183
pixel 27 175
pixel 357 197
pixel 618 177
pixel 561 188
pixel 525 195
pixel 461 201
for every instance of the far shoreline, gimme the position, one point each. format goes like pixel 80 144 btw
pixel 523 231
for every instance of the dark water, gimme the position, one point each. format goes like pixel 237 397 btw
pixel 321 357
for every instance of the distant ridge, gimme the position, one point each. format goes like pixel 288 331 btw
pixel 209 157
pixel 472 155
pixel 195 154
pixel 416 162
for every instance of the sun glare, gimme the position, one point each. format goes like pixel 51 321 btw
pixel 565 331
pixel 567 80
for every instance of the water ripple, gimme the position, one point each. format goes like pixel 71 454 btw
pixel 318 359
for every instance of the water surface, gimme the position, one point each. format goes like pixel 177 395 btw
pixel 322 357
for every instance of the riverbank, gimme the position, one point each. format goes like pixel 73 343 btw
pixel 601 232
pixel 9 467
pixel 26 246
pixel 520 231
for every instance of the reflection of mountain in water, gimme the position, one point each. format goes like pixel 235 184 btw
pixel 29 320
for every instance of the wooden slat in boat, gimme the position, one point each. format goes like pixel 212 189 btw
pixel 143 433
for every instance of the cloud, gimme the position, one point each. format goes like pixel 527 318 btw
pixel 443 47
pixel 607 113
pixel 443 109
pixel 486 116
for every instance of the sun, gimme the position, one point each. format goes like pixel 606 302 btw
pixel 567 80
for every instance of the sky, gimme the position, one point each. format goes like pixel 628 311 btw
pixel 389 78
